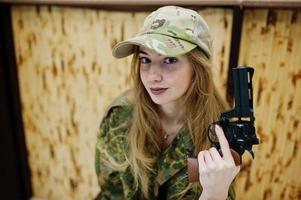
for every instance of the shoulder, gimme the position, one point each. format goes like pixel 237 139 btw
pixel 118 115
pixel 111 136
pixel 124 99
pixel 121 104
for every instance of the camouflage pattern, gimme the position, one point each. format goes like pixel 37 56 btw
pixel 170 168
pixel 170 31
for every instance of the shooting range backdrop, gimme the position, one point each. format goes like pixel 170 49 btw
pixel 67 77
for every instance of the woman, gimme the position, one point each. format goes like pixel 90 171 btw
pixel 149 132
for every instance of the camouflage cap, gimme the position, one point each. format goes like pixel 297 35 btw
pixel 170 31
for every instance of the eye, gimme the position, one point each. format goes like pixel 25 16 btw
pixel 144 60
pixel 170 60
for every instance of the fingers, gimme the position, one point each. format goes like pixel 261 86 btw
pixel 210 160
pixel 224 144
pixel 216 156
pixel 201 161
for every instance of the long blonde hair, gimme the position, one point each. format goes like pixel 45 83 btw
pixel 202 106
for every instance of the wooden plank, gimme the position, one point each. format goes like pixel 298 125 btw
pixel 271 44
pixel 144 3
pixel 220 21
pixel 271 3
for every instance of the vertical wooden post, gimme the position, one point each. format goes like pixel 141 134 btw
pixel 14 169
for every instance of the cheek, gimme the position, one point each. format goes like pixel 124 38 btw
pixel 184 81
pixel 179 83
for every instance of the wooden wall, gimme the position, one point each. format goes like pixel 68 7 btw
pixel 271 42
pixel 67 77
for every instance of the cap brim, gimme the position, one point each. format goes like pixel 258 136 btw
pixel 162 44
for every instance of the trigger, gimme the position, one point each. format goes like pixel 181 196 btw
pixel 252 153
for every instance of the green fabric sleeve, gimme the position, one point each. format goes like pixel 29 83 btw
pixel 108 147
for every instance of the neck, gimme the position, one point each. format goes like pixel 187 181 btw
pixel 171 114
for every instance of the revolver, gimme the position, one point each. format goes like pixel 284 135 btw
pixel 237 123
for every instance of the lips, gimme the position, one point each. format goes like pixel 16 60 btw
pixel 157 91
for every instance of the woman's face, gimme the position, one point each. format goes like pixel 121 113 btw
pixel 166 79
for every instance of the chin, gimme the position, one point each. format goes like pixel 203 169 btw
pixel 157 100
pixel 160 100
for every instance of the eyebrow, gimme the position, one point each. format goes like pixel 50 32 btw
pixel 146 53
pixel 143 52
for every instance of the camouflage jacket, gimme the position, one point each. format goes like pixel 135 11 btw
pixel 171 167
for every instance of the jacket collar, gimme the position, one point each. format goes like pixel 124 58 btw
pixel 174 158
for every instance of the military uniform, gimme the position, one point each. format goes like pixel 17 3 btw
pixel 170 175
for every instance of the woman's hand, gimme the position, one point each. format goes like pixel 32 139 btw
pixel 216 172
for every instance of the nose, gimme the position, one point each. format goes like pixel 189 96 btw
pixel 155 74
